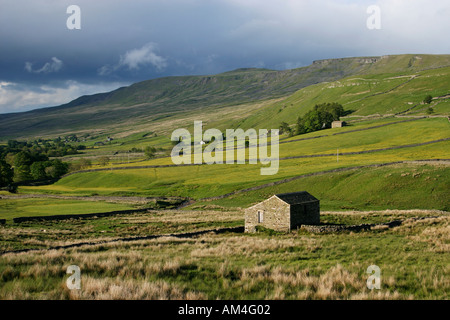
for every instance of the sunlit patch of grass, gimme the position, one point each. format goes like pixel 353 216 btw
pixel 45 234
pixel 30 207
pixel 246 266
pixel 397 186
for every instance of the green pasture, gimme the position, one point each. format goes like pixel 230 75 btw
pixel 32 207
pixel 410 186
pixel 364 95
pixel 398 134
pixel 213 180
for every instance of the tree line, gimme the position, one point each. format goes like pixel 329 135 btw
pixel 320 117
pixel 30 160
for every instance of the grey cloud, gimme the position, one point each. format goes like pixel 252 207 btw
pixel 134 59
pixel 54 66
pixel 130 41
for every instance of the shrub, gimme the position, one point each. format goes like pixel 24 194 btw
pixel 284 128
pixel 38 171
pixel 428 99
pixel 150 152
pixel 103 161
pixel 6 174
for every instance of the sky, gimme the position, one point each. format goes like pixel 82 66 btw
pixel 46 60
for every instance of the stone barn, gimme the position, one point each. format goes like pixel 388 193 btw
pixel 283 212
pixel 337 124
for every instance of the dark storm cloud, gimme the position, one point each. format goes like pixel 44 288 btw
pixel 44 63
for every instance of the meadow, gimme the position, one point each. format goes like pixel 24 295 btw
pixel 46 234
pixel 32 207
pixel 203 181
pixel 413 259
pixel 400 186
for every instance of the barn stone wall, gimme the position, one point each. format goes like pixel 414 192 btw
pixel 337 124
pixel 276 215
pixel 305 213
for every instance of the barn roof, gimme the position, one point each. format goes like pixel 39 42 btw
pixel 296 197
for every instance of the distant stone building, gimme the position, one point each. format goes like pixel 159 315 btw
pixel 337 124
pixel 283 212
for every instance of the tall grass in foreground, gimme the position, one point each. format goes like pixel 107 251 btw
pixel 414 262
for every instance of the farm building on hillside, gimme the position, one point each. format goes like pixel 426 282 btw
pixel 337 124
pixel 283 212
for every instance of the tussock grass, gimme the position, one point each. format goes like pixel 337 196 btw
pixel 249 246
pixel 413 259
pixel 436 233
pixel 46 234
pixel 13 208
pixel 113 289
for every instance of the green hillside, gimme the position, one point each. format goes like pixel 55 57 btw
pixel 368 95
pixel 400 186
pixel 161 100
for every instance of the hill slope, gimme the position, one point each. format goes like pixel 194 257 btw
pixel 151 100
pixel 363 95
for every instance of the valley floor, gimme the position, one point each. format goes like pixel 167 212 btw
pixel 413 258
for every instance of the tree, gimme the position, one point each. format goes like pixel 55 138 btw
pixel 37 170
pixel 22 173
pixel 430 110
pixel 48 169
pixel 57 168
pixel 22 162
pixel 428 99
pixel 22 158
pixel 150 152
pixel 326 118
pixel 300 127
pixel 103 161
pixel 285 128
pixel 335 110
pixel 9 158
pixel 84 163
pixel 320 117
pixel 312 121
pixel 6 174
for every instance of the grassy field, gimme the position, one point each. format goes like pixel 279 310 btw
pixel 413 259
pixel 410 186
pixel 32 207
pixel 213 180
pixel 328 141
pixel 46 234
